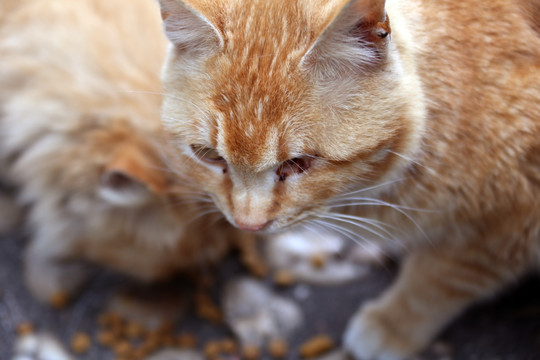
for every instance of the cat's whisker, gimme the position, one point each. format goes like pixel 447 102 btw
pixel 353 235
pixel 355 201
pixel 376 202
pixel 371 187
pixel 203 213
pixel 355 223
pixel 405 158
pixel 347 233
pixel 378 224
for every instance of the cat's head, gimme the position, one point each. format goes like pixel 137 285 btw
pixel 127 167
pixel 277 107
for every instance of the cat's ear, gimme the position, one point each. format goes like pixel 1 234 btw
pixel 130 179
pixel 355 37
pixel 187 28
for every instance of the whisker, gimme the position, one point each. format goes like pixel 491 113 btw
pixel 378 224
pixel 371 187
pixel 371 201
pixel 363 227
pixel 406 158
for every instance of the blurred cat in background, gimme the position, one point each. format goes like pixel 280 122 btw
pixel 411 122
pixel 79 136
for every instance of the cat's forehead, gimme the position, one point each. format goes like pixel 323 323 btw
pixel 257 85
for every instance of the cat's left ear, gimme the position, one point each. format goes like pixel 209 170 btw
pixel 356 36
pixel 131 179
pixel 188 28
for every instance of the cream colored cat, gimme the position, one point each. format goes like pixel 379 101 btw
pixel 78 137
pixel 416 122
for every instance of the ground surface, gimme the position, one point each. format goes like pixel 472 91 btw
pixel 506 328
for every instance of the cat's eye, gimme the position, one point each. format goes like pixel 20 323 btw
pixel 207 154
pixel 293 166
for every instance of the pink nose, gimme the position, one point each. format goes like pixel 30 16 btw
pixel 251 227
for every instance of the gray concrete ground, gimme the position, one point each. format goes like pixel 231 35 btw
pixel 505 328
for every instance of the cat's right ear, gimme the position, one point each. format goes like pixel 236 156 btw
pixel 188 29
pixel 355 37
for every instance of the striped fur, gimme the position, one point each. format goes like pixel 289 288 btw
pixel 413 123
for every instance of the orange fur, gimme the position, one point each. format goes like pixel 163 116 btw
pixel 79 138
pixel 323 118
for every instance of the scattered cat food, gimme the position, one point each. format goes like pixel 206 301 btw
pixel 186 341
pixel 227 346
pixel 251 352
pixel 123 349
pixel 134 330
pixel 278 348
pixel 106 338
pixel 25 328
pixel 318 261
pixel 80 343
pixel 210 312
pixel 284 278
pixel 211 349
pixel 109 319
pixel 316 346
pixel 59 300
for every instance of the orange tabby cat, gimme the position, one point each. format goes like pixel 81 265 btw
pixel 416 122
pixel 78 138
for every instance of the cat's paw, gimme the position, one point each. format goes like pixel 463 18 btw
pixel 369 337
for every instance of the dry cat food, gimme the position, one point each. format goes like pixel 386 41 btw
pixel 316 346
pixel 134 330
pixel 251 352
pixel 211 349
pixel 59 300
pixel 80 343
pixel 106 338
pixel 227 346
pixel 25 328
pixel 284 278
pixel 186 341
pixel 131 340
pixel 278 348
pixel 318 261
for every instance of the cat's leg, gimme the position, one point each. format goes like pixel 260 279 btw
pixel 433 287
pixel 49 272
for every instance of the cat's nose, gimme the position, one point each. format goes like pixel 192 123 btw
pixel 252 227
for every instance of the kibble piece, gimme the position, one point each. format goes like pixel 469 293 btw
pixel 211 349
pixel 210 313
pixel 123 349
pixel 283 278
pixel 134 330
pixel 110 319
pixel 59 300
pixel 251 352
pixel 316 346
pixel 25 328
pixel 106 338
pixel 80 343
pixel 186 341
pixel 227 346
pixel 278 348
pixel 318 261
